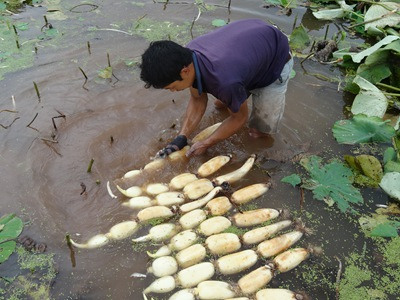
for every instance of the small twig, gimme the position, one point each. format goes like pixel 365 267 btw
pixel 56 117
pixel 16 42
pixel 165 5
pixel 49 140
pixel 116 30
pixel 229 10
pixel 86 79
pixel 8 110
pixel 108 59
pixel 15 29
pixel 8 126
pixel 111 140
pixel 88 47
pixel 89 169
pixel 94 7
pixel 13 102
pixel 83 186
pixel 294 22
pixel 307 57
pixel 29 125
pixel 37 91
pixel 51 147
pixel 312 46
pixel 338 275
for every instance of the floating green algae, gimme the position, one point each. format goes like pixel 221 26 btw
pixel 366 279
pixel 36 276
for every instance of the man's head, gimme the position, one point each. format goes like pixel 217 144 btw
pixel 165 64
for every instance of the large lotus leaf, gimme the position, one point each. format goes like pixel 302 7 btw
pixel 366 168
pixel 331 183
pixel 390 183
pixel 392 166
pixel 299 39
pixel 379 16
pixel 370 101
pixel 358 57
pixel 330 14
pixel 362 129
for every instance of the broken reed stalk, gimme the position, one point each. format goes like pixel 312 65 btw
pixel 108 59
pixel 326 32
pixel 37 91
pixel 8 126
pixel 88 47
pixel 86 79
pixel 294 22
pixel 56 117
pixel 89 169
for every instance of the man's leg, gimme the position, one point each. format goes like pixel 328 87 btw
pixel 269 105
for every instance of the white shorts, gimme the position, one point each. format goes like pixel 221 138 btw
pixel 269 103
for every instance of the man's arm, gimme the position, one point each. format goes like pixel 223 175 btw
pixel 231 125
pixel 194 112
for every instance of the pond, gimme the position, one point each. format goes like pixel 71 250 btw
pixel 61 122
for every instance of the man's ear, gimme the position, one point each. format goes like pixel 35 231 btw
pixel 185 72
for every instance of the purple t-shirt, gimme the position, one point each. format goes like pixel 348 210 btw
pixel 240 57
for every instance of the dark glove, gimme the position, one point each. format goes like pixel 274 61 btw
pixel 177 144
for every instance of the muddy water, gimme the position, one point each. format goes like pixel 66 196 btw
pixel 121 125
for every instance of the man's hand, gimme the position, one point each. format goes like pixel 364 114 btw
pixel 177 144
pixel 197 149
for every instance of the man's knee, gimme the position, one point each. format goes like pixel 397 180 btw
pixel 219 104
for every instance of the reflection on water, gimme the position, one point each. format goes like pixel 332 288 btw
pixel 121 125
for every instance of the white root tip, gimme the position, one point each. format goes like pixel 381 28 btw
pixel 110 191
pixel 144 238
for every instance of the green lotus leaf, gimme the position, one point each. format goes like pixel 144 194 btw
pixel 390 183
pixel 218 23
pixel 362 129
pixel 293 179
pixel 299 39
pixel 331 183
pixel 370 101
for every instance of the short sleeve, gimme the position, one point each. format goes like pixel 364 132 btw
pixel 233 96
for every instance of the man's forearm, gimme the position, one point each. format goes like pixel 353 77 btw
pixel 194 113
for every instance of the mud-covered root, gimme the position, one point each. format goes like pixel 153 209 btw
pixel 223 243
pixel 237 174
pixel 254 217
pixel 213 165
pixel 96 241
pixel 214 225
pixel 291 258
pixel 191 255
pixel 236 262
pixel 281 294
pixel 192 219
pixel 278 244
pixel 260 234
pixel 159 233
pixel 255 280
pixel 249 193
pixel 163 266
pixel 205 133
pixel 200 202
pixel 213 290
pixel 218 206
pixel 181 180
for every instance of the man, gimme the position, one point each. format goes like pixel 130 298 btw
pixel 246 57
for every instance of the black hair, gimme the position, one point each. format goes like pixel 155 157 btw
pixel 162 63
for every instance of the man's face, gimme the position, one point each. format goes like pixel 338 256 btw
pixel 187 75
pixel 178 85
